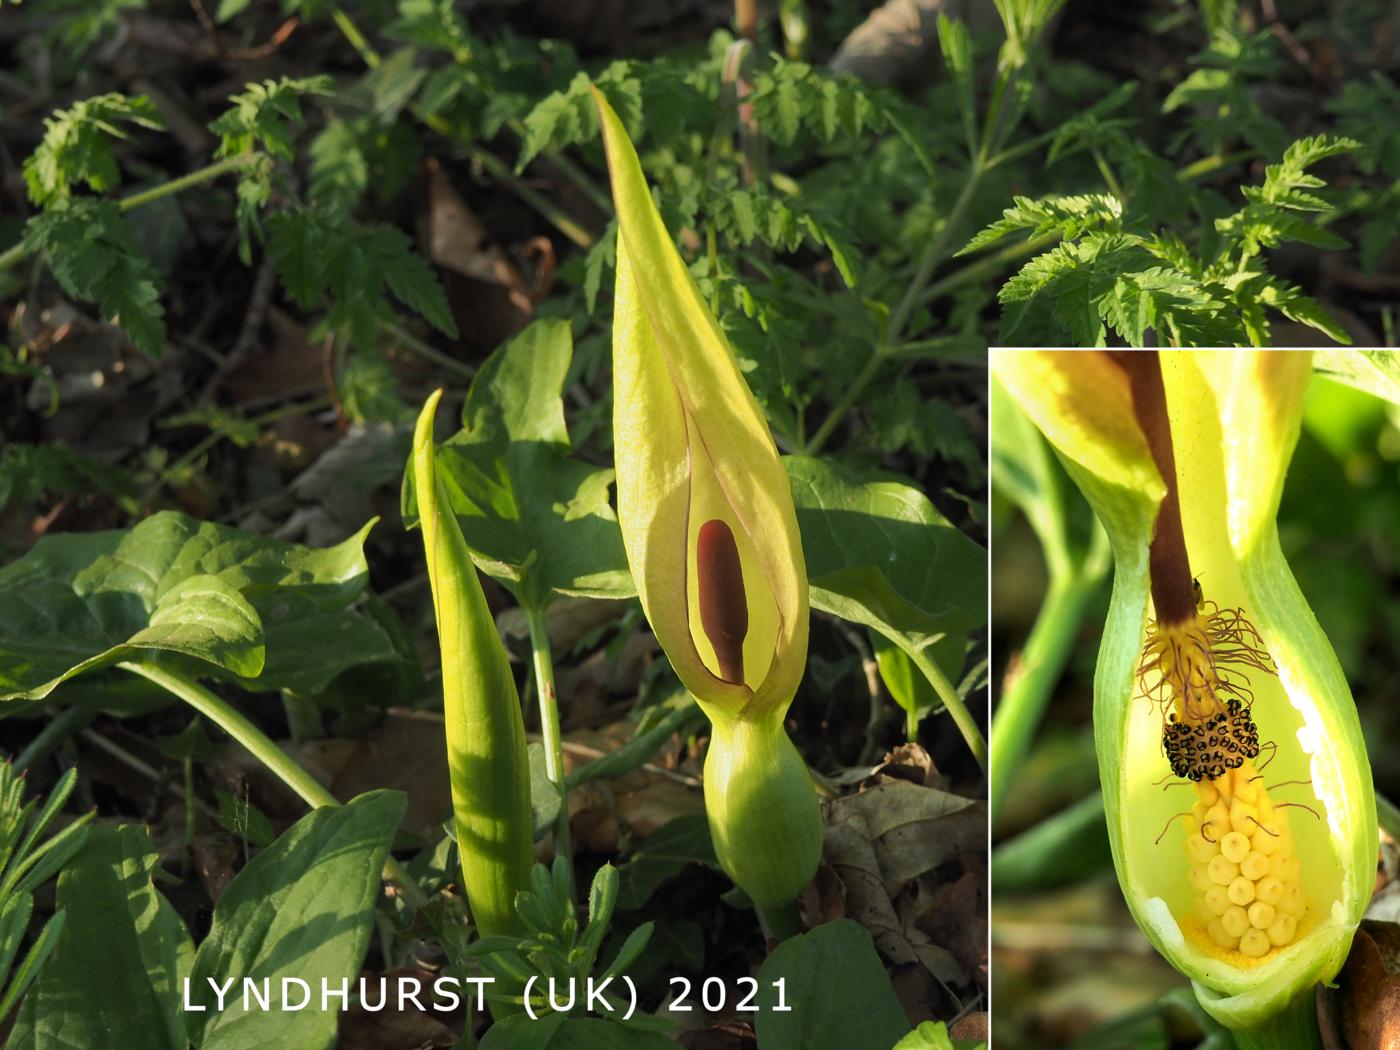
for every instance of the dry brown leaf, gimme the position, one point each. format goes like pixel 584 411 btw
pixel 915 829
pixel 1367 998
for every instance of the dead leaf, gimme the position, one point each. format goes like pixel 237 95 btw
pixel 1367 997
pixel 404 752
pixel 915 829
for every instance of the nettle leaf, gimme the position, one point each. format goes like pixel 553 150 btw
pixel 1164 299
pixel 836 989
pixel 534 517
pixel 743 216
pixel 1365 110
pixel 327 257
pixel 92 252
pixel 77 146
pixel 259 612
pixel 879 553
pixel 1074 278
pixel 264 115
pixel 114 914
pixel 1069 216
pixel 302 908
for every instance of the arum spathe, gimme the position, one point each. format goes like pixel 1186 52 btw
pixel 711 535
pixel 1250 871
pixel 483 725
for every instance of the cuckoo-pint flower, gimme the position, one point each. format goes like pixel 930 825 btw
pixel 485 731
pixel 711 535
pixel 1236 784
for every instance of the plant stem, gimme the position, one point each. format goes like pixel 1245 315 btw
pixel 987 265
pixel 542 204
pixel 966 724
pixel 260 746
pixel 1295 1028
pixel 781 922
pixel 937 252
pixel 18 252
pixel 639 750
pixel 1388 814
pixel 426 351
pixel 549 723
pixel 52 735
pixel 1032 678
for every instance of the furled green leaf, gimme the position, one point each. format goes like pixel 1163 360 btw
pixel 264 613
pixel 533 516
pixel 836 988
pixel 302 908
pixel 114 979
pixel 956 43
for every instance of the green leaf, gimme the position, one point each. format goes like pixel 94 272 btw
pixel 1068 216
pixel 263 116
pixel 77 146
pixel 676 844
pixel 906 683
pixel 836 986
pixel 562 1032
pixel 545 797
pixel 878 553
pixel 956 44
pixel 1377 372
pixel 266 614
pixel 114 914
pixel 327 256
pixel 930 1035
pixel 533 516
pixel 94 255
pixel 302 908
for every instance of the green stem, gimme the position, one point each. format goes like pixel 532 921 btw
pixel 782 922
pixel 1389 816
pixel 640 749
pixel 936 253
pixel 260 746
pixel 988 265
pixel 19 251
pixel 1110 180
pixel 962 717
pixel 549 723
pixel 498 170
pixel 415 345
pixel 1033 677
pixel 542 204
pixel 1295 1028
pixel 52 735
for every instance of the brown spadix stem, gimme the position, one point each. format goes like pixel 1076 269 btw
pixel 724 610
pixel 1168 564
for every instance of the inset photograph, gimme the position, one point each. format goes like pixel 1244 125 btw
pixel 1194 730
